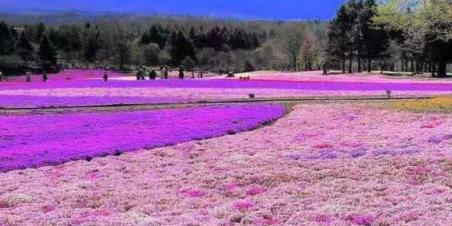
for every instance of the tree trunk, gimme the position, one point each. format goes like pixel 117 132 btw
pixel 442 69
pixel 369 65
pixel 412 66
pixel 351 64
pixel 343 65
pixel 359 64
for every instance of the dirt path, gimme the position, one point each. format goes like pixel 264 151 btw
pixel 126 107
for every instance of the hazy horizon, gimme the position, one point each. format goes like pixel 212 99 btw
pixel 247 9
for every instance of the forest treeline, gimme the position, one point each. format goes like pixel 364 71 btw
pixel 396 35
pixel 203 44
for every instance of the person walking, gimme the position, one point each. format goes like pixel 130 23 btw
pixel 45 77
pixel 28 76
pixel 105 77
pixel 1 76
pixel 139 74
pixel 152 75
pixel 165 72
pixel 325 68
pixel 181 72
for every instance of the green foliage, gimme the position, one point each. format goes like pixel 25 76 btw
pixel 426 28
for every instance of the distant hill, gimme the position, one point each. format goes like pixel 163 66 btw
pixel 56 18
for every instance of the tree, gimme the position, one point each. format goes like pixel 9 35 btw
pixel 47 54
pixel 6 40
pixel 123 54
pixel 39 32
pixel 293 47
pixel 180 47
pixel 151 54
pixel 249 66
pixel 216 38
pixel 24 48
pixel 339 37
pixel 188 63
pixel 91 46
pixel 425 27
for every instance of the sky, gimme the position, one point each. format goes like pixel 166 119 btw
pixel 240 9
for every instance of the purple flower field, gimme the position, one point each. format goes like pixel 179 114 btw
pixel 19 101
pixel 233 84
pixel 40 140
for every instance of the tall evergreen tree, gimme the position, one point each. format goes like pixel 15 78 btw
pixel 180 47
pixel 40 30
pixel 6 40
pixel 24 48
pixel 47 54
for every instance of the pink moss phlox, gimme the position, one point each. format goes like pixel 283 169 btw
pixel 363 219
pixel 194 193
pixel 255 190
pixel 243 205
pixel 322 218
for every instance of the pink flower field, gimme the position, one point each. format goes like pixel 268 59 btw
pixel 322 164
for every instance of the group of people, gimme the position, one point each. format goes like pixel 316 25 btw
pixel 143 72
pixel 45 77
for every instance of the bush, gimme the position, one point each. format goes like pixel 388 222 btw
pixel 11 64
pixel 249 67
pixel 188 63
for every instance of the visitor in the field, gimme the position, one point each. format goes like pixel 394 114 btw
pixel 152 74
pixel 1 76
pixel 325 68
pixel 44 76
pixel 181 72
pixel 139 73
pixel 105 77
pixel 165 72
pixel 28 76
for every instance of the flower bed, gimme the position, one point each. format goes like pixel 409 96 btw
pixel 39 140
pixel 438 104
pixel 332 164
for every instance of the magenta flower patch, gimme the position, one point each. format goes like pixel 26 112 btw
pixel 40 140
pixel 243 205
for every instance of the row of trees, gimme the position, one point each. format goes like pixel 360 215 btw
pixel 219 46
pixel 405 35
pixel 17 51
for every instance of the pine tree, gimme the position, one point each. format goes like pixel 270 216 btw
pixel 180 48
pixel 6 40
pixel 47 54
pixel 39 32
pixel 24 48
